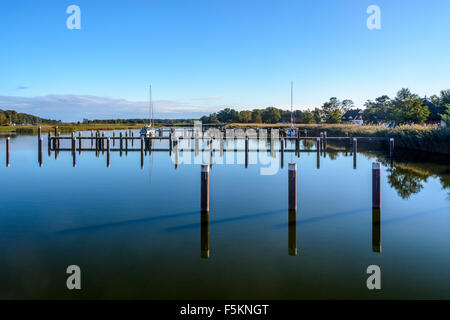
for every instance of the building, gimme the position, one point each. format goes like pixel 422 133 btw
pixel 353 116
pixel 434 118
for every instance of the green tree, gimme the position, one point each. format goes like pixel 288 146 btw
pixel 318 115
pixel 308 117
pixel 334 109
pixel 378 110
pixel 408 108
pixel 271 115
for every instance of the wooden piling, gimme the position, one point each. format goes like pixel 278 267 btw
pixel 74 151
pixel 108 151
pixel 292 233
pixel 132 138
pixel 204 194
pixel 376 185
pixel 39 133
pixel 121 141
pixel 40 150
pixel 8 144
pixel 292 183
pixel 79 142
pixel 126 142
pixel 318 152
pixel 376 230
pixel 142 152
pixel 92 138
pixel 391 147
pixel 49 141
pixel 246 152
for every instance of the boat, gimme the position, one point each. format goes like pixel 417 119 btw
pixel 148 130
pixel 292 131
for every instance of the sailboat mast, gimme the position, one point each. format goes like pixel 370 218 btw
pixel 292 98
pixel 151 108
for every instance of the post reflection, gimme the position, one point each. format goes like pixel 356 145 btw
pixel 204 234
pixel 376 230
pixel 292 233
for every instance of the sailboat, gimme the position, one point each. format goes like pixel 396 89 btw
pixel 292 132
pixel 149 131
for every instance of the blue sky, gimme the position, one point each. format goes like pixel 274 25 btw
pixel 201 56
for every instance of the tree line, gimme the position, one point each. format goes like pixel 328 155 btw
pixel 405 108
pixel 11 116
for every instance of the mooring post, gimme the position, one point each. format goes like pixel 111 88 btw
pixel 8 143
pixel 204 235
pixel 40 150
pixel 204 197
pixel 49 141
pixel 79 142
pixel 175 144
pixel 103 142
pixel 126 141
pixel 92 138
pixel 292 232
pixel 39 133
pixel 292 182
pixel 376 185
pixel 306 132
pixel 246 152
pixel 318 152
pixel 108 151
pixel 391 147
pixel 74 151
pixel 355 151
pixel 121 141
pixel 324 141
pixel 170 143
pixel 132 138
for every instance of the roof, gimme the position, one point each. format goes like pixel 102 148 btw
pixel 433 110
pixel 352 114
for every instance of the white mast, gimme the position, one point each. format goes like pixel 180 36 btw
pixel 292 98
pixel 151 108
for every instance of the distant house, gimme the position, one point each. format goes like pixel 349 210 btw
pixel 288 120
pixel 434 119
pixel 353 116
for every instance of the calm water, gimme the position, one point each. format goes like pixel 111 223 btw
pixel 137 233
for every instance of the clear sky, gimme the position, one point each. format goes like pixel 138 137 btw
pixel 201 56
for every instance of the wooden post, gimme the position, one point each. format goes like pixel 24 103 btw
pixel 132 138
pixel 74 151
pixel 40 150
pixel 376 185
pixel 391 147
pixel 92 138
pixel 170 143
pixel 121 141
pixel 204 235
pixel 108 151
pixel 204 193
pixel 324 141
pixel 126 142
pixel 49 141
pixel 318 152
pixel 306 133
pixel 56 142
pixel 355 151
pixel 246 152
pixel 79 142
pixel 39 133
pixel 8 143
pixel 176 152
pixel 282 153
pixel 142 152
pixel 376 230
pixel 292 233
pixel 292 182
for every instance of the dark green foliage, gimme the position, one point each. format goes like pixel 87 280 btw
pixel 11 116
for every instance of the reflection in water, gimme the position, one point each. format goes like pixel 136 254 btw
pixel 204 235
pixel 406 182
pixel 376 230
pixel 292 232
